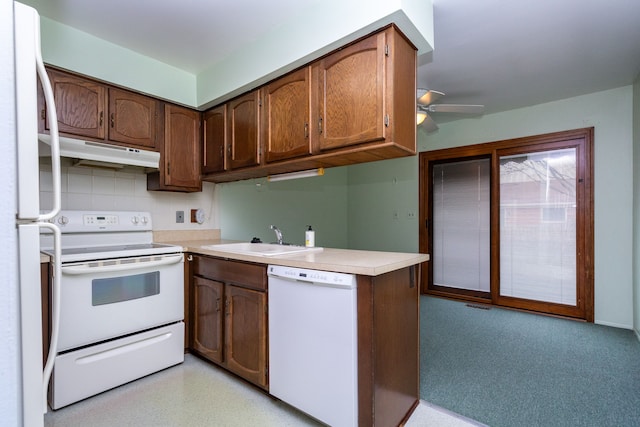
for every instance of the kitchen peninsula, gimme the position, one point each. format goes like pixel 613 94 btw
pixel 387 318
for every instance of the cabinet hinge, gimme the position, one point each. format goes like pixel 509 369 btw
pixel 386 120
pixel 386 50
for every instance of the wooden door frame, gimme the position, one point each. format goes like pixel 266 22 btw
pixel 585 233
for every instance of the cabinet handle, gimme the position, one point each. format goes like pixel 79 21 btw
pixel 227 307
pixel 320 125
pixel 112 120
pixel 101 117
pixel 218 304
pixel 189 257
pixel 306 130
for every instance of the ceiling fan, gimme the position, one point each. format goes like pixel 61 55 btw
pixel 426 106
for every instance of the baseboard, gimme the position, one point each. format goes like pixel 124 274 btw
pixel 614 325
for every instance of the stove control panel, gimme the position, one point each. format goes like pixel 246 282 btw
pixel 102 221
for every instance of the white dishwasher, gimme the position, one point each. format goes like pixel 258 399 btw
pixel 313 342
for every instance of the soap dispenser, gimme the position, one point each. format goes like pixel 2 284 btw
pixel 309 237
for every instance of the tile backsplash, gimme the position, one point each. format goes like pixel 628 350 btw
pixel 126 189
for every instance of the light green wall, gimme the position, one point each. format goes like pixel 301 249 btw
pixel 301 40
pixel 247 208
pixel 377 192
pixel 610 112
pixel 286 47
pixel 636 204
pixel 78 51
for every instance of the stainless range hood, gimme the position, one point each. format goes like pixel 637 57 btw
pixel 90 153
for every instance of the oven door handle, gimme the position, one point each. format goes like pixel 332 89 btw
pixel 88 269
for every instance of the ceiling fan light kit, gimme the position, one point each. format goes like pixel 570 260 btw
pixel 426 99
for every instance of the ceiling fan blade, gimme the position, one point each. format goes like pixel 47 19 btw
pixel 428 124
pixel 426 97
pixel 456 108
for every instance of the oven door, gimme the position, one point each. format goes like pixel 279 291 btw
pixel 101 300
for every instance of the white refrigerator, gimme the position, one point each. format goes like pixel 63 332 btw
pixel 30 220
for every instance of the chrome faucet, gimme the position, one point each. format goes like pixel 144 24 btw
pixel 278 234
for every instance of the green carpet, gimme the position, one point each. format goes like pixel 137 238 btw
pixel 507 368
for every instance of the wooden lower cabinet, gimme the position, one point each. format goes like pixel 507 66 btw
pixel 229 316
pixel 208 319
pixel 245 333
pixel 388 347
pixel 229 327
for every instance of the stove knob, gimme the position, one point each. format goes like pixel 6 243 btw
pixel 135 220
pixel 63 220
pixel 145 220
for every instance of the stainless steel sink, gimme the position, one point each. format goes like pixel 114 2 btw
pixel 260 249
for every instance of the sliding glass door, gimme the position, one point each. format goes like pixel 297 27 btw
pixel 538 226
pixel 461 226
pixel 510 223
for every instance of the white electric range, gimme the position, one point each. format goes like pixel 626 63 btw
pixel 120 303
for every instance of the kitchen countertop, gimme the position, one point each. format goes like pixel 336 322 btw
pixel 368 263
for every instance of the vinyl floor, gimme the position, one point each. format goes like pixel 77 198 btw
pixel 197 393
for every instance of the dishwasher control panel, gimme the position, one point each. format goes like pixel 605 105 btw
pixel 312 276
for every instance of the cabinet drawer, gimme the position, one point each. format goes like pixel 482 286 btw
pixel 243 274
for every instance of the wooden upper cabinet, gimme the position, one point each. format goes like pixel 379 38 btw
pixel 351 91
pixel 286 117
pixel 354 105
pixel 80 105
pixel 214 139
pixel 133 118
pixel 243 123
pixel 181 162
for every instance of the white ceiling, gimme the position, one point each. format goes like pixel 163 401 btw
pixel 502 53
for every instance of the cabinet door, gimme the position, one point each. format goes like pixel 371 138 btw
pixel 350 93
pixel 245 334
pixel 80 105
pixel 181 148
pixel 214 139
pixel 285 116
pixel 207 318
pixel 243 121
pixel 132 118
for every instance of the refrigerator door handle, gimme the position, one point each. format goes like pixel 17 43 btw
pixel 55 308
pixel 53 128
